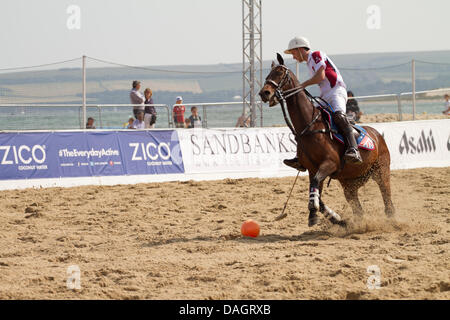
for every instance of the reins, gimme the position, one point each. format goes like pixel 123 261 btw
pixel 283 95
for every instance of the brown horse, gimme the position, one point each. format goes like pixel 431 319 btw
pixel 320 154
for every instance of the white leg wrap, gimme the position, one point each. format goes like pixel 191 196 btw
pixel 314 197
pixel 331 214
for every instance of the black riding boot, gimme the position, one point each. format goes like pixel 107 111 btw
pixel 351 153
pixel 294 163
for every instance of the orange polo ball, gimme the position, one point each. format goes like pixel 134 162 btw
pixel 250 228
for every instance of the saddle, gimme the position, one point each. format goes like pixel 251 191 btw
pixel 363 139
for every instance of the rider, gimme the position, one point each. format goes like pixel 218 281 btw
pixel 332 90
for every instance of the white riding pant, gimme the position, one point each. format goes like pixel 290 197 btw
pixel 337 98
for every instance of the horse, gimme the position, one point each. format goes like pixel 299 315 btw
pixel 322 155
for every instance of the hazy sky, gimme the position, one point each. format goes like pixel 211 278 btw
pixel 157 32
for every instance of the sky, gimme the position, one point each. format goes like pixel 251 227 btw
pixel 174 32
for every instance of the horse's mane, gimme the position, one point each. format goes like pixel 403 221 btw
pixel 296 82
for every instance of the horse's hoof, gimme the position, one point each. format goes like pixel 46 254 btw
pixel 341 223
pixel 313 220
pixel 390 213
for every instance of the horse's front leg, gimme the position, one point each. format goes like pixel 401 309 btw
pixel 315 190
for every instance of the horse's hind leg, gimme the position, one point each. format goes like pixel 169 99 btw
pixel 381 175
pixel 351 195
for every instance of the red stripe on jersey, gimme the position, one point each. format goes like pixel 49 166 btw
pixel 316 56
pixel 330 73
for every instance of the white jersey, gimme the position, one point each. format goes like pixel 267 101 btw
pixel 333 78
pixel 138 124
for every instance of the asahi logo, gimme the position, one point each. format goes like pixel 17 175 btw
pixel 422 144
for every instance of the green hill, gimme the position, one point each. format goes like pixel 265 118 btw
pixel 364 74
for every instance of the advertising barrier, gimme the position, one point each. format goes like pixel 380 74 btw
pixel 40 155
pixel 417 144
pixel 69 158
pixel 245 150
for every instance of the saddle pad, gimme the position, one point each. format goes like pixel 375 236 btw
pixel 364 141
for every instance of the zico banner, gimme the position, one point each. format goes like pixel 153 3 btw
pixel 90 153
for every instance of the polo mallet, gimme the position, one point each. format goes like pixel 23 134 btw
pixel 283 214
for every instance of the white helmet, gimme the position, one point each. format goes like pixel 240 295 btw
pixel 297 42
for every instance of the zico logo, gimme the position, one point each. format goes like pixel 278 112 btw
pixel 22 154
pixel 423 144
pixel 150 151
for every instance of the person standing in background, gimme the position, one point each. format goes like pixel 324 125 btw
pixel 129 124
pixel 178 113
pixel 149 111
pixel 90 123
pixel 447 105
pixel 139 122
pixel 137 98
pixel 187 123
pixel 353 110
pixel 244 120
pixel 195 121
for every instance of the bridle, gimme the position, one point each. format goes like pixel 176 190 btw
pixel 285 80
pixel 282 95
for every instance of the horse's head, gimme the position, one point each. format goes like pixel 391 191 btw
pixel 277 79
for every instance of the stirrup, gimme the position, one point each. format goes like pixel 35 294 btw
pixel 352 155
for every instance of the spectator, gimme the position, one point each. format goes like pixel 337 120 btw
pixel 244 120
pixel 137 98
pixel 187 123
pixel 178 113
pixel 90 123
pixel 139 122
pixel 353 111
pixel 130 122
pixel 149 111
pixel 447 105
pixel 195 121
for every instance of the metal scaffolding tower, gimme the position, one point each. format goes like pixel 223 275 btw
pixel 252 57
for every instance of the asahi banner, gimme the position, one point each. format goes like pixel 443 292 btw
pixel 237 150
pixel 415 144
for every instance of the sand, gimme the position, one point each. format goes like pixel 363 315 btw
pixel 391 117
pixel 181 240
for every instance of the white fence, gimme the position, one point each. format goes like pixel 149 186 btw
pixel 211 154
pixel 398 98
pixel 214 114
